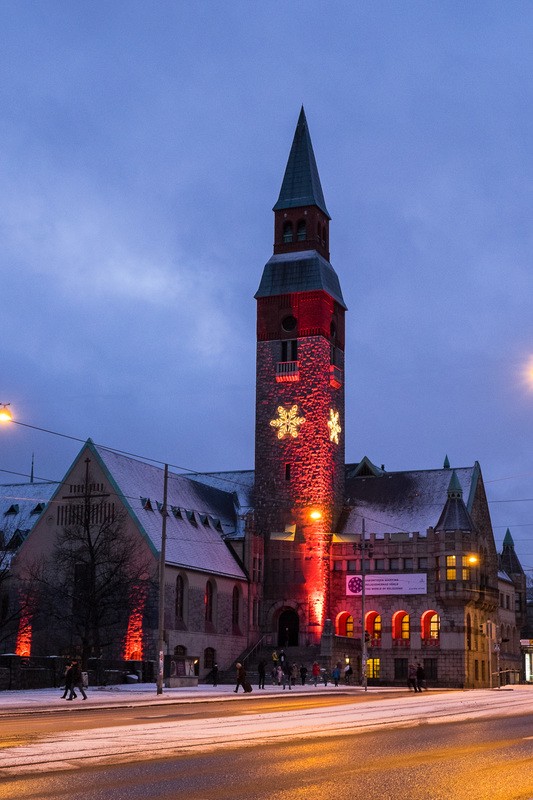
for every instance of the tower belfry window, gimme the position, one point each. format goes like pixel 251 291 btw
pixel 289 350
pixel 287 232
pixel 301 231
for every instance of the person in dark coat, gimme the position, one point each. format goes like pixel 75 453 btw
pixel 241 677
pixel 303 673
pixel 420 677
pixel 68 682
pixel 261 671
pixel 214 674
pixel 77 682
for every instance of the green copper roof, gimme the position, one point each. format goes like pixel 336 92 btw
pixel 454 487
pixel 446 464
pixel 304 271
pixel 301 183
pixel 508 539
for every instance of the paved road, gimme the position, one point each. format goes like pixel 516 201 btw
pixel 472 760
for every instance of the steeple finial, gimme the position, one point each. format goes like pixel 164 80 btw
pixel 301 183
pixel 446 464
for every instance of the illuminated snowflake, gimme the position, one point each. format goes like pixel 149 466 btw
pixel 287 422
pixel 334 427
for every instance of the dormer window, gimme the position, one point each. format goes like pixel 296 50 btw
pixel 13 509
pixel 287 232
pixel 301 231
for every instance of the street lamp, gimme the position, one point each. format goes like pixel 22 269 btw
pixel 5 413
pixel 363 547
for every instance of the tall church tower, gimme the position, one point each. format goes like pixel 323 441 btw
pixel 299 435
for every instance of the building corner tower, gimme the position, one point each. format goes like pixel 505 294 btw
pixel 299 435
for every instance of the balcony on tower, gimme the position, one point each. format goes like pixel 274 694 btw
pixel 287 371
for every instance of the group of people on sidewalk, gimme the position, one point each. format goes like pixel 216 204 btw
pixel 416 677
pixel 73 681
pixel 285 674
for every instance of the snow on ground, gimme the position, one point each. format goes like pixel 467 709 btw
pixel 157 739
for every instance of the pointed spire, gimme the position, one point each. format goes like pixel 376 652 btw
pixel 454 516
pixel 301 183
pixel 508 539
pixel 446 464
pixel 454 487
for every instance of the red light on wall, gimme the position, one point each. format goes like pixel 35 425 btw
pixel 24 635
pixel 133 642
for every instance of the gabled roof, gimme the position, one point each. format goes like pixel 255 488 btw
pixel 29 500
pixel 195 538
pixel 302 271
pixel 393 502
pixel 301 182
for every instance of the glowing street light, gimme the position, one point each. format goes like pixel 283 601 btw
pixel 5 413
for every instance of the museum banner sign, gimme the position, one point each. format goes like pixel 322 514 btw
pixel 411 583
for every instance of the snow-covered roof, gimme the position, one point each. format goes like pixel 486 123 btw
pixel 199 516
pixel 240 484
pixel 21 505
pixel 401 501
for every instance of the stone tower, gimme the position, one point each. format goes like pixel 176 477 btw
pixel 299 436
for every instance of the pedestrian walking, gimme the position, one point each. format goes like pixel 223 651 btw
pixel 279 674
pixel 315 672
pixel 241 677
pixel 411 678
pixel 336 674
pixel 77 682
pixel 68 681
pixel 294 674
pixel 261 671
pixel 420 677
pixel 214 674
pixel 303 673
pixel 348 672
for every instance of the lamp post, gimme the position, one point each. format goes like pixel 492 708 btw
pixel 363 547
pixel 162 556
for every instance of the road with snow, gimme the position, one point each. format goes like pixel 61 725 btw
pixel 433 741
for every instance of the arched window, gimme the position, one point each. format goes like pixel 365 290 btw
pixel 373 625
pixel 180 650
pixel 208 602
pixel 287 232
pixel 301 231
pixel 209 658
pixel 401 628
pixel 345 625
pixel 430 626
pixel 180 597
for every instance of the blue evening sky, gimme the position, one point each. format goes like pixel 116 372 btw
pixel 142 146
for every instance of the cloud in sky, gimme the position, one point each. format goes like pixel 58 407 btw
pixel 141 150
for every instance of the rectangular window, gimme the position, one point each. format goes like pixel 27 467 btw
pixel 289 350
pixel 380 563
pixel 408 563
pixel 287 472
pixel 430 668
pixel 451 569
pixel 422 563
pixel 337 566
pixel 352 566
pixel 400 669
pixel 394 564
pixel 373 669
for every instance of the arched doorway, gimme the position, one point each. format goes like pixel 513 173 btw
pixel 288 628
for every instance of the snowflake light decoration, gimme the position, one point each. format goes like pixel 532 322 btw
pixel 287 422
pixel 334 426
